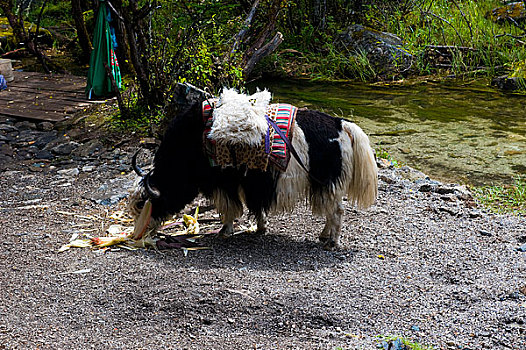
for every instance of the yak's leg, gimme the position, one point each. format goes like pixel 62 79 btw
pixel 261 221
pixel 330 236
pixel 229 207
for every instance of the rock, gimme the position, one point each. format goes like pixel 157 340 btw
pixel 45 138
pixel 113 191
pixel 507 83
pixel 8 128
pixel 522 248
pixel 65 149
pixel 25 125
pixel 25 137
pixel 6 150
pixel 4 160
pixel 89 149
pixel 384 51
pixel 383 163
pixel 485 233
pixel 45 126
pixel 512 12
pixel 88 168
pixel 411 174
pixel 387 179
pixel 426 188
pixel 43 154
pixel 69 172
pixel 23 154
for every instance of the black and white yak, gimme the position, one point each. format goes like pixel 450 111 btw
pixel 336 153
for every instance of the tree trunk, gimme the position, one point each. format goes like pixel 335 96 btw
pixel 82 32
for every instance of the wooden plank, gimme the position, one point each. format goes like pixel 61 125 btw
pixel 38 96
pixel 35 115
pixel 42 99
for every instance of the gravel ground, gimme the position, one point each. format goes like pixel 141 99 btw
pixel 424 263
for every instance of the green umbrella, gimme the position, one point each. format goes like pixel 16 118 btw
pixel 99 83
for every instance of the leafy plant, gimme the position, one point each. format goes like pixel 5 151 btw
pixel 504 198
pixel 384 154
pixel 403 343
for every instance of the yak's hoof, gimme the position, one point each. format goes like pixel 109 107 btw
pixel 261 231
pixel 225 233
pixel 329 244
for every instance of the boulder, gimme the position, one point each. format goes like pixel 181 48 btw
pixel 385 51
pixel 507 83
pixel 514 11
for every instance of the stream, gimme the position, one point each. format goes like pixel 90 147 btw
pixel 462 132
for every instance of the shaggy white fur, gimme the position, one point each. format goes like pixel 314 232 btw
pixel 240 118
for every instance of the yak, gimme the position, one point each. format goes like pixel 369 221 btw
pixel 333 160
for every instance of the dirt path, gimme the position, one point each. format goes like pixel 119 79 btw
pixel 422 263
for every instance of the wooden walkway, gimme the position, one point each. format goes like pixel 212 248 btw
pixel 43 97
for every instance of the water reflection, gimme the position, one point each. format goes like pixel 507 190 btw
pixel 469 133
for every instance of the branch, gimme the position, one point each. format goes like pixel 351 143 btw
pixel 35 37
pixel 122 108
pixel 262 52
pixel 244 29
pixel 446 21
pixel 465 19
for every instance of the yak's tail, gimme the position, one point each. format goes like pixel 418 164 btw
pixel 363 186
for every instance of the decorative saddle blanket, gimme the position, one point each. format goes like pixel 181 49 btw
pixel 272 150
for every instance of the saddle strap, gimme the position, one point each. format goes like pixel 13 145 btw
pixel 290 147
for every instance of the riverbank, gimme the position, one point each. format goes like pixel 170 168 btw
pixel 459 131
pixel 424 263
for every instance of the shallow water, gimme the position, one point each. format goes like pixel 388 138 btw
pixel 459 132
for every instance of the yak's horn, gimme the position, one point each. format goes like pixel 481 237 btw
pixel 137 170
pixel 153 192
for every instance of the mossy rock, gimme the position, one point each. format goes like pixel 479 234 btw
pixel 513 11
pixel 384 51
pixel 8 41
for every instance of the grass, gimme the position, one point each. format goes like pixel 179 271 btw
pixel 503 198
pixel 464 23
pixel 490 48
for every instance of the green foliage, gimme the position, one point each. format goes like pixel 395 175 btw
pixel 492 46
pixel 409 345
pixel 382 153
pixel 504 198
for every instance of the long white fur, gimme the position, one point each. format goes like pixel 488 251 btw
pixel 239 118
pixel 358 181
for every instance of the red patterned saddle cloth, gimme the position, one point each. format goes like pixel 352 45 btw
pixel 273 150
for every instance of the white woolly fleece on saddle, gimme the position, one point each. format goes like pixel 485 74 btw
pixel 240 118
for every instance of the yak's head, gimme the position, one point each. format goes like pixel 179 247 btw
pixel 141 202
pixel 179 169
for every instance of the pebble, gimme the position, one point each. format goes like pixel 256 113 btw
pixel 43 154
pixel 65 149
pixel 7 128
pixel 88 168
pixel 45 138
pixel 68 172
pixel 45 126
pixel 485 233
pixel 522 248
